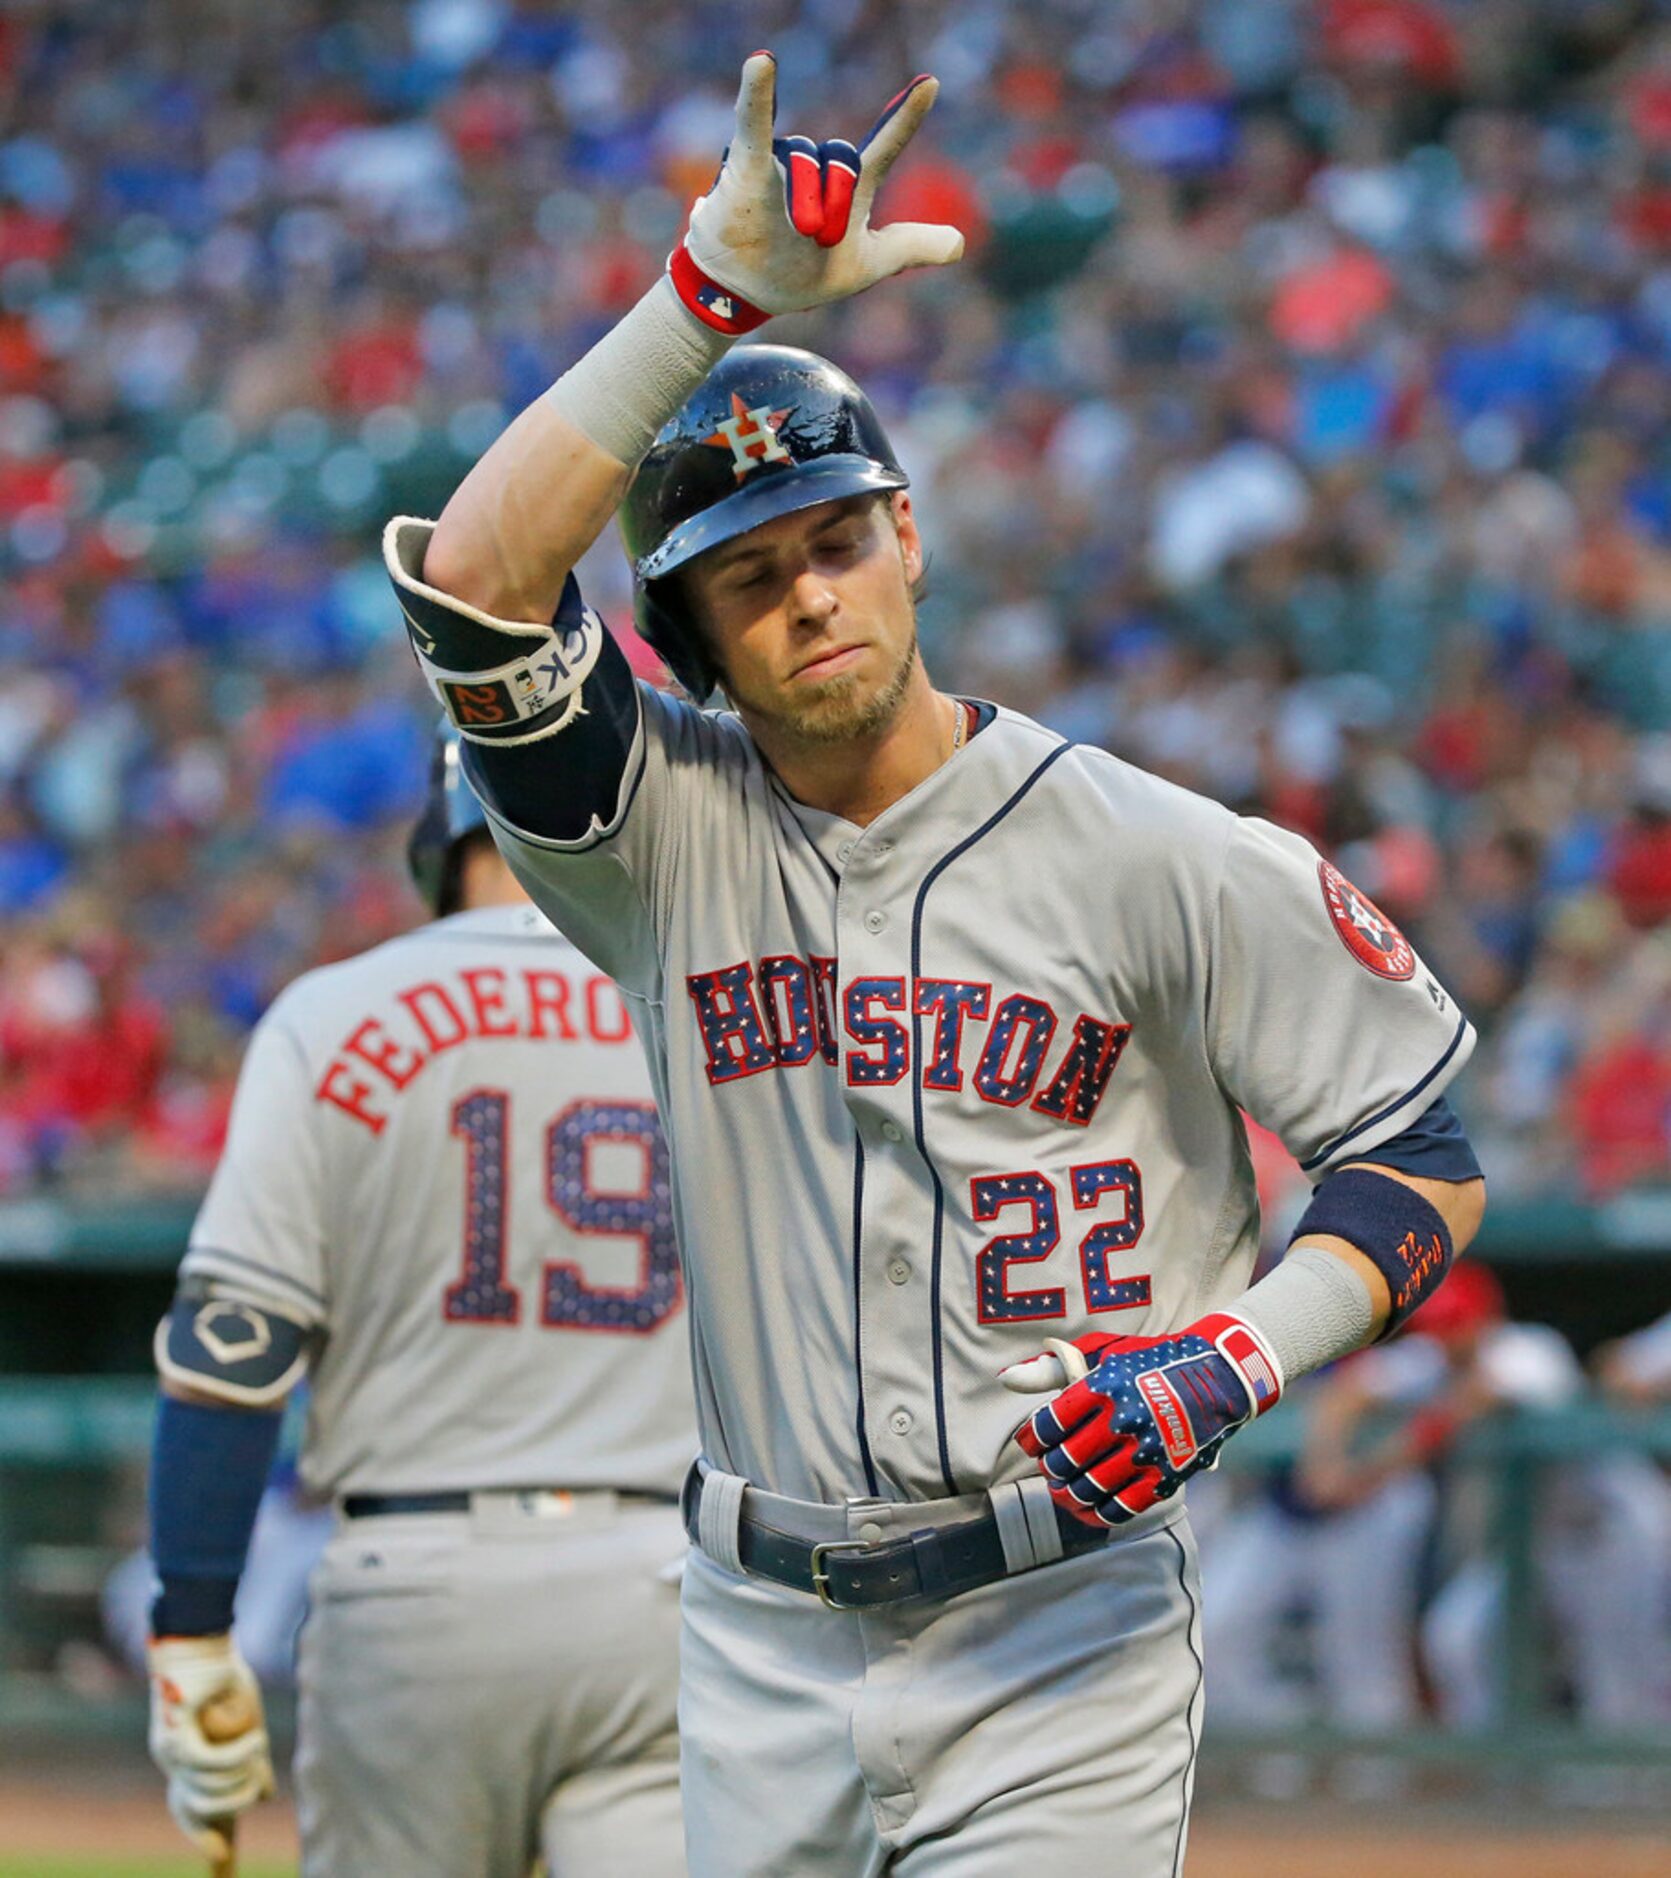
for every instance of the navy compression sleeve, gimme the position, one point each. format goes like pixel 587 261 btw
pixel 209 1469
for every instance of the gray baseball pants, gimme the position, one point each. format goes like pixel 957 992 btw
pixel 480 1689
pixel 1049 1718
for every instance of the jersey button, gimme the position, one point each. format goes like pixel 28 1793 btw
pixel 899 1272
pixel 874 922
pixel 845 852
pixel 900 1421
pixel 891 1131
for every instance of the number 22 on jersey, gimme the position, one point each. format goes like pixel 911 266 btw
pixel 484 1293
pixel 990 1194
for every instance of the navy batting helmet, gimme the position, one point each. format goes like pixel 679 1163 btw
pixel 450 812
pixel 770 430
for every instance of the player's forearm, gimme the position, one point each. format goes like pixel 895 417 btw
pixel 1459 1203
pixel 225 1364
pixel 522 518
pixel 1335 1291
pixel 544 491
pixel 209 1468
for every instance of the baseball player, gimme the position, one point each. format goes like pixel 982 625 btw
pixel 444 1195
pixel 950 1021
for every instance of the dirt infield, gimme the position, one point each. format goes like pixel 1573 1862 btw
pixel 1260 1848
pixel 115 1814
pixel 45 1819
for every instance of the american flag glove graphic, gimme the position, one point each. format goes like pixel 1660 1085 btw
pixel 1145 1414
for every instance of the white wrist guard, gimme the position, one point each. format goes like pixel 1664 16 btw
pixel 1310 1310
pixel 500 681
pixel 639 373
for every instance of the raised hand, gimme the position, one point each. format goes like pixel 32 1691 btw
pixel 786 224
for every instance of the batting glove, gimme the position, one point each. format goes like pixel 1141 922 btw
pixel 209 1736
pixel 786 224
pixel 1141 1414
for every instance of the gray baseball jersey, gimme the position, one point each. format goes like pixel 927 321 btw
pixel 970 1074
pixel 444 1159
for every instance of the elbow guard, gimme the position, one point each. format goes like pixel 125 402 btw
pixel 246 1355
pixel 500 681
pixel 1404 1236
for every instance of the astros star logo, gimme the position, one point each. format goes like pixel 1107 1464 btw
pixel 1366 932
pixel 751 436
pixel 1366 919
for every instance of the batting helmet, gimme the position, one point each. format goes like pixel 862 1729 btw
pixel 450 812
pixel 770 430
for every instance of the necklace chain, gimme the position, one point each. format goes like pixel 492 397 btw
pixel 960 723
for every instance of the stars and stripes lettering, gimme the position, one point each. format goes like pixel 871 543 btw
pixel 989 1194
pixel 785 1012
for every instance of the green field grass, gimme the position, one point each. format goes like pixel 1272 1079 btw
pixel 69 1865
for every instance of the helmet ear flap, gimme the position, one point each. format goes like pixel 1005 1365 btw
pixel 450 812
pixel 426 853
pixel 665 623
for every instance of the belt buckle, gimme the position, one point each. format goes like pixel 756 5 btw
pixel 821 1578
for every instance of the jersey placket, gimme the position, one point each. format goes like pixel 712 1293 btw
pixel 894 1227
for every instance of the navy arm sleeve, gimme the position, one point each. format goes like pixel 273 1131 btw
pixel 209 1467
pixel 557 786
pixel 1433 1147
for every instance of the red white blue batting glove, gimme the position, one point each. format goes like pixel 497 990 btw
pixel 1141 1414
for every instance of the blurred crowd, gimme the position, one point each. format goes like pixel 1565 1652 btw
pixel 1379 1577
pixel 1297 427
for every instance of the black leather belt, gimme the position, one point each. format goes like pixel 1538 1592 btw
pixel 369 1505
pixel 858 1574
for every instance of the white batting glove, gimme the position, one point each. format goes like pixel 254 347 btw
pixel 209 1736
pixel 786 225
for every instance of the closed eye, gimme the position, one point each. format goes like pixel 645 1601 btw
pixel 846 541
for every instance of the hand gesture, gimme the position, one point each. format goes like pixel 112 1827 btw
pixel 786 224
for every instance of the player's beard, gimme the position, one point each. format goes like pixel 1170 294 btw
pixel 839 709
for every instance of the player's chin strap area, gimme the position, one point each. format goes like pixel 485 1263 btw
pixel 866 1553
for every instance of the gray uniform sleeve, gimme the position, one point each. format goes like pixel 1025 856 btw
pixel 260 1229
pixel 593 817
pixel 611 890
pixel 1323 1024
